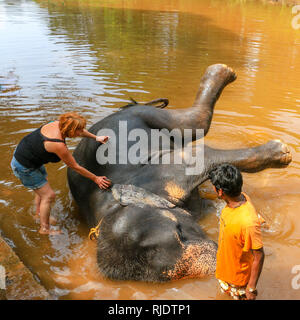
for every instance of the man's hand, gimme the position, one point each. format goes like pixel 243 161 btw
pixel 250 295
pixel 103 182
pixel 102 139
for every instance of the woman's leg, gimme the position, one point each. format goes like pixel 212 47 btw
pixel 37 201
pixel 47 197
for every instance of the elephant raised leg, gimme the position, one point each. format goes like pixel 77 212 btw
pixel 198 116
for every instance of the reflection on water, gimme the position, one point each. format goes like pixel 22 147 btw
pixel 91 56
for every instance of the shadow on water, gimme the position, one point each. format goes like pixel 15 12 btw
pixel 129 43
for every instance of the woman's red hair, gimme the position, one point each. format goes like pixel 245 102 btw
pixel 70 122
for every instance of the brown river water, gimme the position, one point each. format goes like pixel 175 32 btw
pixel 91 56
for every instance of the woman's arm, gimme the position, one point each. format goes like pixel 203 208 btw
pixel 65 155
pixel 87 134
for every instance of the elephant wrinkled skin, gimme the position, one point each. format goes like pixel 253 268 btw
pixel 147 232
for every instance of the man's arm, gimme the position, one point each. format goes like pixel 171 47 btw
pixel 257 265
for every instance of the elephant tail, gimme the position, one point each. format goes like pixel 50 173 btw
pixel 164 102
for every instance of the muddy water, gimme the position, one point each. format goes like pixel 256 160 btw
pixel 58 56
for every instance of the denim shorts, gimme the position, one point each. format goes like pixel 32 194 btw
pixel 31 178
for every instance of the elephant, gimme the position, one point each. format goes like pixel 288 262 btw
pixel 146 231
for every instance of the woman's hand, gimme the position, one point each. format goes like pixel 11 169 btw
pixel 103 182
pixel 102 139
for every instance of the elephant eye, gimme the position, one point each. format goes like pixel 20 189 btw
pixel 179 232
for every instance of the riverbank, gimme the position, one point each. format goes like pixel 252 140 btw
pixel 19 283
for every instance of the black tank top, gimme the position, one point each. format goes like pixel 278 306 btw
pixel 31 152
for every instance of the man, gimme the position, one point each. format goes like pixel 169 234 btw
pixel 240 255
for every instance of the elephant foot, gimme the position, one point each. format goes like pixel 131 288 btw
pixel 279 153
pixel 221 71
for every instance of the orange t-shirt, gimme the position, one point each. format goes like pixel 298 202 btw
pixel 239 233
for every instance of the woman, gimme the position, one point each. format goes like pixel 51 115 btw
pixel 47 144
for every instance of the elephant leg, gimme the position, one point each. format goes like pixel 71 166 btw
pixel 199 115
pixel 176 185
pixel 273 154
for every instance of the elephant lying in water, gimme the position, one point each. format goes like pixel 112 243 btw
pixel 146 231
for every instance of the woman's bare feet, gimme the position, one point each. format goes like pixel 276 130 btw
pixel 45 230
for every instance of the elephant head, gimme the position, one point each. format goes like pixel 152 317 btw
pixel 148 238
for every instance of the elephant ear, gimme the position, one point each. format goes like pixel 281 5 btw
pixel 127 194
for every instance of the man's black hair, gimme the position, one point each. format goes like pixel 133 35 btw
pixel 228 178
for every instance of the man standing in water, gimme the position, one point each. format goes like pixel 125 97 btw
pixel 240 255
